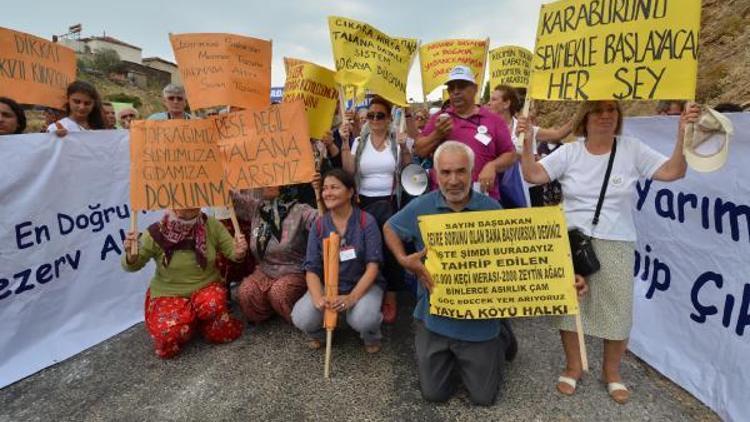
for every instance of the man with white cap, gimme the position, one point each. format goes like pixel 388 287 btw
pixel 476 127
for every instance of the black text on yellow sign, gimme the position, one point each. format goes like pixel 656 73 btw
pixel 499 264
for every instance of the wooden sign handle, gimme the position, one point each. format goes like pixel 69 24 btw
pixel 134 228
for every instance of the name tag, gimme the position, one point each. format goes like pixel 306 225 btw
pixel 483 138
pixel 347 254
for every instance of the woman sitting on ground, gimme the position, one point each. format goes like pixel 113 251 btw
pixel 83 110
pixel 279 225
pixel 186 293
pixel 360 285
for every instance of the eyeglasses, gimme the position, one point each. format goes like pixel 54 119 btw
pixel 376 116
pixel 419 117
pixel 175 98
pixel 128 116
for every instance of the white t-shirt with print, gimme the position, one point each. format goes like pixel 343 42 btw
pixel 581 175
pixel 376 169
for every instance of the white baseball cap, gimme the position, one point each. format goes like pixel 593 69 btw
pixel 706 147
pixel 461 73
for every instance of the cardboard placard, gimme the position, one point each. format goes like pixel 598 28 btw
pixel 439 57
pixel 34 70
pixel 270 147
pixel 176 164
pixel 367 58
pixel 224 70
pixel 316 87
pixel 510 65
pixel 605 50
pixel 499 264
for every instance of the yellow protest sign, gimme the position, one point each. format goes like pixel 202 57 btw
pixel 316 87
pixel 270 147
pixel 224 69
pixel 34 70
pixel 370 59
pixel 290 62
pixel 176 164
pixel 510 65
pixel 616 50
pixel 499 264
pixel 438 58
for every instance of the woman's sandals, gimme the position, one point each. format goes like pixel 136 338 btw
pixel 566 385
pixel 618 392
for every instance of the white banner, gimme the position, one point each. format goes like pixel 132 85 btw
pixel 692 272
pixel 63 213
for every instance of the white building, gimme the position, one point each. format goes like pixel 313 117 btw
pixel 127 52
pixel 165 65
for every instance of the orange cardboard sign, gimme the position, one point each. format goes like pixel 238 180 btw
pixel 271 147
pixel 224 69
pixel 176 164
pixel 34 70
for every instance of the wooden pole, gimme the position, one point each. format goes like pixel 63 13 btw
pixel 134 228
pixel 233 216
pixel 317 156
pixel 582 343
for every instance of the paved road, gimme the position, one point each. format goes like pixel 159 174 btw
pixel 269 374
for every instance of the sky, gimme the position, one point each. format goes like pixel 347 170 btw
pixel 298 29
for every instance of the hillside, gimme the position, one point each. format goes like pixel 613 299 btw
pixel 723 63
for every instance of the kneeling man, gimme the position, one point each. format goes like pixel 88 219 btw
pixel 473 350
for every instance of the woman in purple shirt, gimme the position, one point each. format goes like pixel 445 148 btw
pixel 360 284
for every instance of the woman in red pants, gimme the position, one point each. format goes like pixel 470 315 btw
pixel 186 293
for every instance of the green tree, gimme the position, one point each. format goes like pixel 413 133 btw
pixel 105 60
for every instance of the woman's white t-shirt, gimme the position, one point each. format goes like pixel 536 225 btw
pixel 376 169
pixel 68 124
pixel 581 175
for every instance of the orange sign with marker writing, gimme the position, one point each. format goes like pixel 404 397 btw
pixel 176 164
pixel 34 70
pixel 224 69
pixel 273 148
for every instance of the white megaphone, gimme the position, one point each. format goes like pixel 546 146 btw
pixel 414 179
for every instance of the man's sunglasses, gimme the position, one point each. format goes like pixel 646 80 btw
pixel 376 116
pixel 175 98
pixel 127 116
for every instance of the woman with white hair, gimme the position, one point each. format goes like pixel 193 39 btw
pixel 173 97
pixel 126 115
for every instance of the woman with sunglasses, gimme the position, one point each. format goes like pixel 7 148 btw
pixel 173 97
pixel 375 159
pixel 83 109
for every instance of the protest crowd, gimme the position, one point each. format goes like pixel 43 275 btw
pixel 264 252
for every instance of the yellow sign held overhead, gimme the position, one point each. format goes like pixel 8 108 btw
pixel 367 58
pixel 615 50
pixel 439 57
pixel 316 87
pixel 510 65
pixel 499 264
